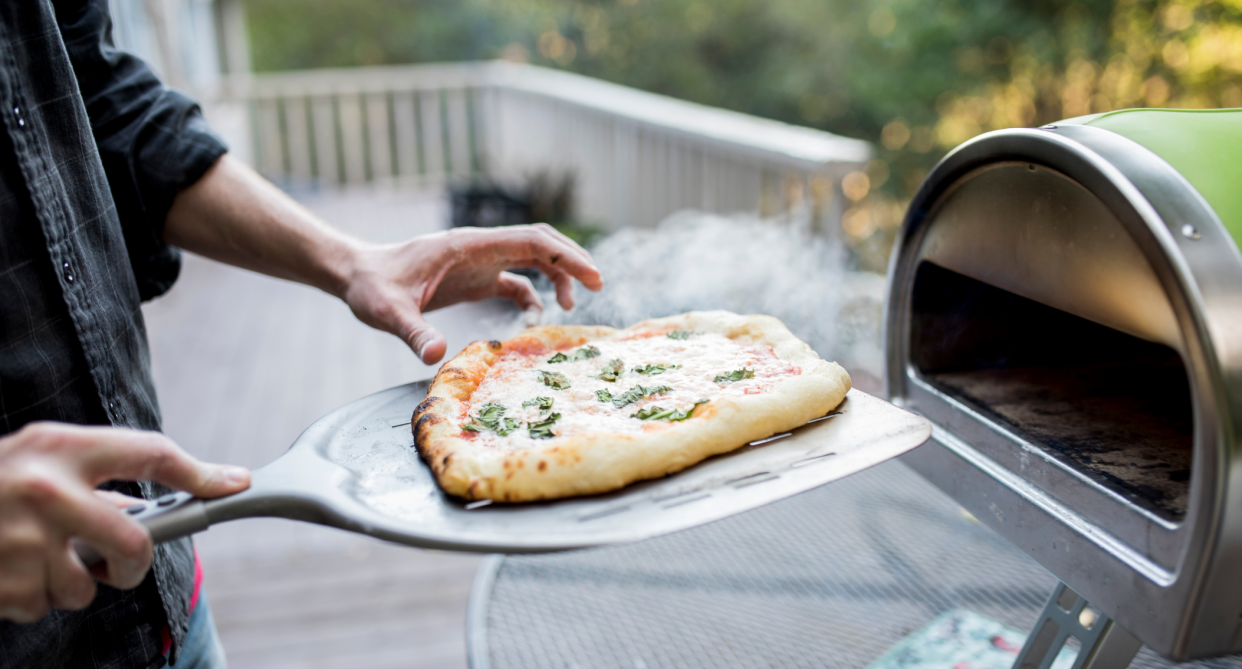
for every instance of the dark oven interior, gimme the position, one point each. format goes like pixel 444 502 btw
pixel 1114 407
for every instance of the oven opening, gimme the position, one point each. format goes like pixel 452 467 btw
pixel 1114 407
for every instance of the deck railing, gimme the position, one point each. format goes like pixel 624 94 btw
pixel 636 157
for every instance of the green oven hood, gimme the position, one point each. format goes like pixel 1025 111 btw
pixel 1205 146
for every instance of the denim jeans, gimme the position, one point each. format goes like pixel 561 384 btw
pixel 202 648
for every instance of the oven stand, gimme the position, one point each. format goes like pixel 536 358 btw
pixel 1104 644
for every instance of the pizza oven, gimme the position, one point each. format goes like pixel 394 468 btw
pixel 1065 306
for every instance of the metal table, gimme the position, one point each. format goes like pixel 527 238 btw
pixel 830 578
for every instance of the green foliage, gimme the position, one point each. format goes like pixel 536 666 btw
pixel 916 77
pixel 301 34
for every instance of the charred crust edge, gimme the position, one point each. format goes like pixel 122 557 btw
pixel 425 405
pixel 423 420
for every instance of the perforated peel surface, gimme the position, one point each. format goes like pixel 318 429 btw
pixel 830 578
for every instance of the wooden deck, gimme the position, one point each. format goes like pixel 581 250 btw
pixel 243 364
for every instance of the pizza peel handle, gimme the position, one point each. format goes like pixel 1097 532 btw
pixel 356 469
pixel 284 488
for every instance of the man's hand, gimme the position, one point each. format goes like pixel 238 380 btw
pixel 48 474
pixel 390 287
pixel 235 216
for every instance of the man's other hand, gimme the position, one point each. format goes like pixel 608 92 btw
pixel 390 287
pixel 48 475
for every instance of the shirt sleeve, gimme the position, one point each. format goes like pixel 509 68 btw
pixel 153 141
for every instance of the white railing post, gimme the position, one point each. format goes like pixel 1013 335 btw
pixel 379 141
pixel 298 140
pixel 460 159
pixel 433 136
pixel 405 124
pixel 323 114
pixel 349 110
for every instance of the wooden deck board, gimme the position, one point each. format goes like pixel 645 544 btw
pixel 243 363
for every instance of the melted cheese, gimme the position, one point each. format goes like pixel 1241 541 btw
pixel 514 379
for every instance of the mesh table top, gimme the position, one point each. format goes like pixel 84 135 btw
pixel 830 578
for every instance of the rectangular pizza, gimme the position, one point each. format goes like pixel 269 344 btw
pixel 561 411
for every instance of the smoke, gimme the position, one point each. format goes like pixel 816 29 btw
pixel 695 261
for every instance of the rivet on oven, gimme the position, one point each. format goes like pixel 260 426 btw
pixel 1190 232
pixel 1031 167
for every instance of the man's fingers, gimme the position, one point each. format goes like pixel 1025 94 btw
pixel 393 312
pixel 426 342
pixel 75 511
pixel 561 236
pixel 24 600
pixel 23 569
pixel 519 289
pixel 568 257
pixel 69 586
pixel 134 455
pixel 563 282
pixel 117 499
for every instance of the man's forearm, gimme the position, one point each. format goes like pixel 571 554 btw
pixel 235 216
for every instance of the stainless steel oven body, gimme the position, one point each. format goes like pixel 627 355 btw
pixel 1066 308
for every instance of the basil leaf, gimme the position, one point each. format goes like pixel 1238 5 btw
pixel 554 380
pixel 504 427
pixel 637 393
pixel 491 412
pixel 652 370
pixel 653 413
pixel 682 415
pixel 735 375
pixel 680 335
pixel 586 353
pixel 543 429
pixel 656 413
pixel 603 395
pixel 491 417
pixel 581 354
pixel 611 371
pixel 544 404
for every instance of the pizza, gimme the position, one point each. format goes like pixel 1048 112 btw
pixel 561 410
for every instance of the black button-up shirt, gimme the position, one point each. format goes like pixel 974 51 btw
pixel 93 149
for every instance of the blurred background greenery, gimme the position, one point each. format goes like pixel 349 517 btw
pixel 916 77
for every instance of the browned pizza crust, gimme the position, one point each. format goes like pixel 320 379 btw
pixel 600 462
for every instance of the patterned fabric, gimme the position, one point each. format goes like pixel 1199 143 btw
pixel 93 149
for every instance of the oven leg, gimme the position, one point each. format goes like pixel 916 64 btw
pixel 1104 644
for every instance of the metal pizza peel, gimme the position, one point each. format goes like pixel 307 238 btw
pixel 357 469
